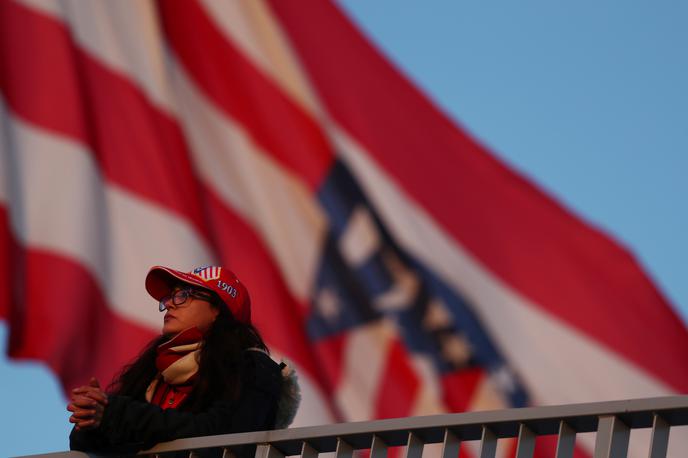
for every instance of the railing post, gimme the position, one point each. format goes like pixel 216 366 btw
pixel 566 440
pixel 307 451
pixel 612 438
pixel 488 443
pixel 344 450
pixel 526 442
pixel 450 445
pixel 227 453
pixel 414 446
pixel 262 450
pixel 268 451
pixel 660 438
pixel 378 449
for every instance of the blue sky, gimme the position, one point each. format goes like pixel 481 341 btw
pixel 588 99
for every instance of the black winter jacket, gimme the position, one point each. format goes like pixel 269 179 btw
pixel 130 425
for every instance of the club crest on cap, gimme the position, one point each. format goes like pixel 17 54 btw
pixel 207 273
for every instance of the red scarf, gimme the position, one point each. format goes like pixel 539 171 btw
pixel 177 363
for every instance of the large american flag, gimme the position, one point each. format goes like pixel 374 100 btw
pixel 400 266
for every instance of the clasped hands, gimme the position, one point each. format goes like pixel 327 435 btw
pixel 87 405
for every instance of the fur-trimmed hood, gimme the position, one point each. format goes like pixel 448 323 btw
pixel 290 397
pixel 290 393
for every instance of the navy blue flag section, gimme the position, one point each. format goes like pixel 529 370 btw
pixel 354 288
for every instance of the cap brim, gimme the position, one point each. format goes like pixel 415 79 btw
pixel 160 281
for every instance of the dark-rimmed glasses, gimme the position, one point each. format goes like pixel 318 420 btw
pixel 180 296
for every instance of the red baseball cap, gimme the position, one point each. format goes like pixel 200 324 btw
pixel 223 282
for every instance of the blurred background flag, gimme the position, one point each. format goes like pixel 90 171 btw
pixel 402 267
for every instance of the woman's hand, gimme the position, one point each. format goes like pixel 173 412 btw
pixel 87 405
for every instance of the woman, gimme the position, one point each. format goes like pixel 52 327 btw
pixel 208 373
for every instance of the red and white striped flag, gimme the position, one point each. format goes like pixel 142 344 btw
pixel 402 267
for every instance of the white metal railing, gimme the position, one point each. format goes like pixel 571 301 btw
pixel 611 421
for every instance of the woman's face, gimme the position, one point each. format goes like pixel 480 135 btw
pixel 193 311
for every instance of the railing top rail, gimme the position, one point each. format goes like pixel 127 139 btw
pixel 635 413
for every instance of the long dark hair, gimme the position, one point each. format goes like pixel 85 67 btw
pixel 220 363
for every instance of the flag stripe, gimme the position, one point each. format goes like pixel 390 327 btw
pixel 592 294
pixel 459 387
pixel 330 354
pixel 399 384
pixel 44 166
pixel 252 28
pixel 367 346
pixel 58 294
pixel 124 36
pixel 278 313
pixel 42 71
pixel 430 396
pixel 7 262
pixel 272 119
pixel 136 145
pixel 277 204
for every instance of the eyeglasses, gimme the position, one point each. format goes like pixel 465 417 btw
pixel 180 296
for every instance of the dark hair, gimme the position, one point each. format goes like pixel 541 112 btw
pixel 220 363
